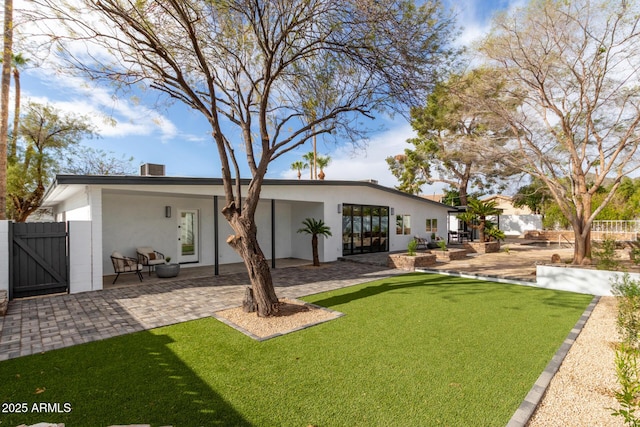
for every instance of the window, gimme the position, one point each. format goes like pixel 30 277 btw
pixel 403 224
pixel 431 225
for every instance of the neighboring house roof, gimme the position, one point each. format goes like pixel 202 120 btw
pixel 55 193
pixel 434 197
pixel 506 204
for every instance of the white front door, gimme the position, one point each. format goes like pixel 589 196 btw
pixel 188 239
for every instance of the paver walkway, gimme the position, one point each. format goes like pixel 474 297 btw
pixel 42 324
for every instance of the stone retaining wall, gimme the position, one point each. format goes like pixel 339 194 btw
pixel 450 254
pixel 567 236
pixel 406 262
pixel 482 248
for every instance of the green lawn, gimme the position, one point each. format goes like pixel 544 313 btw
pixel 411 350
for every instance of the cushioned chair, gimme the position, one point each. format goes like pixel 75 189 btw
pixel 149 258
pixel 123 264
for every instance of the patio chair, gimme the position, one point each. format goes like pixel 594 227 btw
pixel 149 257
pixel 422 243
pixel 123 264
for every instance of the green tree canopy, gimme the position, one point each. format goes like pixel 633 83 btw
pixel 46 135
pixel 454 132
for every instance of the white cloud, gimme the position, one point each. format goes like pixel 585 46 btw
pixel 474 16
pixel 113 117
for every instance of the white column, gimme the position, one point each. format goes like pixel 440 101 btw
pixel 4 255
pixel 80 259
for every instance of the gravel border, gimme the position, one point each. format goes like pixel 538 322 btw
pixel 527 408
pixel 582 391
pixel 284 325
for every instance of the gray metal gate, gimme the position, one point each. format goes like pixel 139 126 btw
pixel 39 260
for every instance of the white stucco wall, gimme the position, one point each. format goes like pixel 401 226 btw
pixel 131 221
pixel 580 280
pixel 301 242
pixel 516 225
pixel 124 217
pixel 81 259
pixel 418 209
pixel 4 255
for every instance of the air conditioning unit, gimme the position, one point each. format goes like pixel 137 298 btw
pixel 150 169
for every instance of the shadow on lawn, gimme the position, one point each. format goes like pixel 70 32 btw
pixel 411 280
pixel 451 288
pixel 134 379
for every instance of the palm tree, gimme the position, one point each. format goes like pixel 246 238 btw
pixel 298 166
pixel 310 157
pixel 479 211
pixel 322 162
pixel 18 61
pixel 315 227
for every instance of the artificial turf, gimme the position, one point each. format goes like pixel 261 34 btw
pixel 412 350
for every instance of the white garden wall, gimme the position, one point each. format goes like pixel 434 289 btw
pixel 4 256
pixel 517 225
pixel 581 280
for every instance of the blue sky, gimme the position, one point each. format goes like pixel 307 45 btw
pixel 179 138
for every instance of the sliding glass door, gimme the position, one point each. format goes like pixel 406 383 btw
pixel 364 229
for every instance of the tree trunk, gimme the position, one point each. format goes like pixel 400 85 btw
pixel 582 229
pixel 13 147
pixel 245 242
pixel 4 102
pixel 314 246
pixel 582 244
pixel 481 226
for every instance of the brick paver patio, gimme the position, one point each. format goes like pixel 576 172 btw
pixel 42 324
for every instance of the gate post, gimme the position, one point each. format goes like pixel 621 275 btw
pixel 80 258
pixel 4 257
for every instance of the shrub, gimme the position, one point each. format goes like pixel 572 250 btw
pixel 442 245
pixel 607 255
pixel 634 255
pixel 628 293
pixel 627 369
pixel 411 247
pixel 629 378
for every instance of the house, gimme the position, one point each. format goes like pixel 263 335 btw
pixel 181 218
pixel 505 203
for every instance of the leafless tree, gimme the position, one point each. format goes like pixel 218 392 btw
pixel 278 71
pixel 574 68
